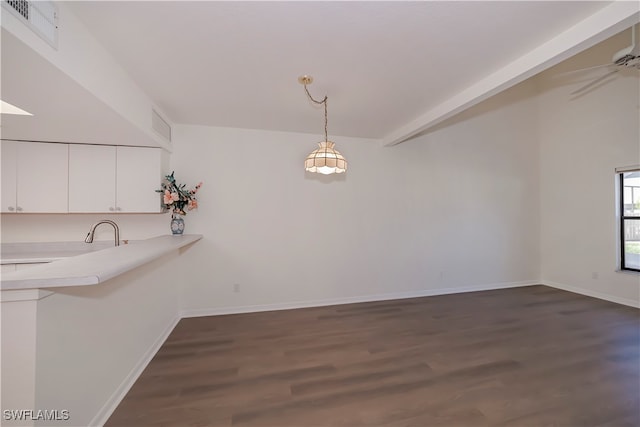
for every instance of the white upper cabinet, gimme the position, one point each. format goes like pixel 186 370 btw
pixel 34 177
pixel 9 176
pixel 139 174
pixel 92 178
pixel 114 179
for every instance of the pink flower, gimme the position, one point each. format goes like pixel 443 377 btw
pixel 194 191
pixel 175 197
pixel 193 204
pixel 168 197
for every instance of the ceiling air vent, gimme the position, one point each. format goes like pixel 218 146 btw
pixel 160 125
pixel 40 16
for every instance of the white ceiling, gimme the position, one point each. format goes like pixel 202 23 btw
pixel 389 68
pixel 382 64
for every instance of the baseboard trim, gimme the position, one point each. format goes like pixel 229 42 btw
pixel 112 403
pixel 218 311
pixel 593 294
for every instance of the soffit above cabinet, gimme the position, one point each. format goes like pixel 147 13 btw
pixel 63 110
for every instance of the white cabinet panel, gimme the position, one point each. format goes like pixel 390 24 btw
pixel 34 177
pixel 9 175
pixel 79 178
pixel 43 177
pixel 139 174
pixel 92 178
pixel 114 179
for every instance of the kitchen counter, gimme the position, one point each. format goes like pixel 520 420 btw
pixel 39 252
pixel 89 268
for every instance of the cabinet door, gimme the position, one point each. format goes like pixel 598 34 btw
pixel 138 176
pixel 92 178
pixel 9 175
pixel 43 175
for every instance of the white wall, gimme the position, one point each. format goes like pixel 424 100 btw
pixel 452 210
pixel 92 341
pixel 582 140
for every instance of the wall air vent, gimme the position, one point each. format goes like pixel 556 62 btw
pixel 21 6
pixel 160 125
pixel 40 16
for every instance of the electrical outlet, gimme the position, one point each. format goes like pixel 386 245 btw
pixel 236 287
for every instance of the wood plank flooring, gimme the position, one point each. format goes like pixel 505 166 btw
pixel 532 356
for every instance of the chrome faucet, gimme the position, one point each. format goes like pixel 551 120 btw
pixel 89 238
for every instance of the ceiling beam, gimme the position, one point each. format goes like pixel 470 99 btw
pixel 601 25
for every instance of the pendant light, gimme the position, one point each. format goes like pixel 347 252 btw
pixel 325 159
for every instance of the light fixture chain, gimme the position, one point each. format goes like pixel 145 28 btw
pixel 326 120
pixel 326 117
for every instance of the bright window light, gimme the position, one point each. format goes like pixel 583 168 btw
pixel 6 108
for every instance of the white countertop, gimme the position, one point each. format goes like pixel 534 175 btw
pixel 39 252
pixel 94 267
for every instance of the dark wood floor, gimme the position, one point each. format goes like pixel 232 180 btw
pixel 532 356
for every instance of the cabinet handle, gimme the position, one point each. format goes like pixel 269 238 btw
pixel 118 209
pixel 11 209
pixel 19 209
pixel 111 209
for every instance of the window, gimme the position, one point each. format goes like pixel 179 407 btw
pixel 629 197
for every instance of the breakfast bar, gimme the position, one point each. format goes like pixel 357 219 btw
pixel 92 268
pixel 22 292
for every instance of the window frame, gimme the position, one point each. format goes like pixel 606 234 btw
pixel 623 218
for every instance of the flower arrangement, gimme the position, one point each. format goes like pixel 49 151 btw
pixel 176 197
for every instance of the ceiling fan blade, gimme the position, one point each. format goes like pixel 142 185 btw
pixel 595 67
pixel 594 82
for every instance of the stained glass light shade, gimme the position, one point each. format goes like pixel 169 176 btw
pixel 325 160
